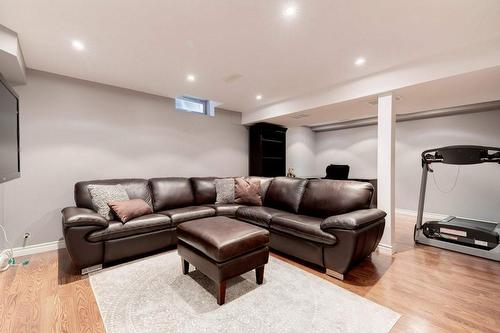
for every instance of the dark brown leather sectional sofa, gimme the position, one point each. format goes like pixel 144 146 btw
pixel 325 222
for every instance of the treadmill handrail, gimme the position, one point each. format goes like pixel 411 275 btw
pixel 491 158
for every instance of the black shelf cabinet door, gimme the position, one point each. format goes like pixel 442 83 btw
pixel 267 150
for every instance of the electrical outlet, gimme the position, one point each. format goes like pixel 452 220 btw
pixel 27 235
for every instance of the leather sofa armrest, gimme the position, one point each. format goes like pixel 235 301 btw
pixel 353 220
pixel 75 217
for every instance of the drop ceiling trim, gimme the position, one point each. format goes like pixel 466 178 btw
pixel 451 111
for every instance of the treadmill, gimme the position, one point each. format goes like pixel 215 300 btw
pixel 477 238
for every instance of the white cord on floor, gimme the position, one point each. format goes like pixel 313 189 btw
pixel 9 252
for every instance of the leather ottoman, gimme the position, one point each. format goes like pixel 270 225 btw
pixel 222 248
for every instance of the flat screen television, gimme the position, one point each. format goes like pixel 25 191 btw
pixel 10 166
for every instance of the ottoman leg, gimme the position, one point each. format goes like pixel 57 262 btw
pixel 221 293
pixel 185 266
pixel 259 274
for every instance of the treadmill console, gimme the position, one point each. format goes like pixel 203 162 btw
pixel 461 155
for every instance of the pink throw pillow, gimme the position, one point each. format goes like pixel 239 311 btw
pixel 247 192
pixel 130 209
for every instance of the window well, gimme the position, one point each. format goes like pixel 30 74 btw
pixel 195 105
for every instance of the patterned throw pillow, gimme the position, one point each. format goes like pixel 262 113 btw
pixel 247 192
pixel 225 190
pixel 144 188
pixel 148 198
pixel 102 194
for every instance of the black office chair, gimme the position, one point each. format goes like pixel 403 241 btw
pixel 339 172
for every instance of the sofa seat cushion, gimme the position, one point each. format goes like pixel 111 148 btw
pixel 139 225
pixel 222 238
pixel 179 215
pixel 302 226
pixel 225 209
pixel 258 215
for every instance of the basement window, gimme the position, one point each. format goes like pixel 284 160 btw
pixel 195 105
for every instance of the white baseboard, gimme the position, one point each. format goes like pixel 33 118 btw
pixel 385 249
pixel 413 213
pixel 38 248
pixel 435 216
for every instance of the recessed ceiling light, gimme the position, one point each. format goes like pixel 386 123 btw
pixel 78 45
pixel 258 97
pixel 290 11
pixel 360 61
pixel 191 78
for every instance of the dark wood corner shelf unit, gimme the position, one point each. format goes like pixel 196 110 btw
pixel 267 150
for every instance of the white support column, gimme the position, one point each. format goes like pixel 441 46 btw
pixel 385 168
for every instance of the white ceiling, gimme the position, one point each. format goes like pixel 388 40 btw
pixel 152 45
pixel 471 88
pixel 11 58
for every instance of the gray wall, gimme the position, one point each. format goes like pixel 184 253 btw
pixel 477 193
pixel 2 219
pixel 300 150
pixel 356 147
pixel 75 130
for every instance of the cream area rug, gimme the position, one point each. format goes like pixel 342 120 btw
pixel 152 295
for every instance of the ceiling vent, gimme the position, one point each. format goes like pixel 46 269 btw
pixel 232 78
pixel 300 115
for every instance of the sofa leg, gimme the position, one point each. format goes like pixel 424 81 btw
pixel 259 274
pixel 221 293
pixel 91 269
pixel 334 274
pixel 185 266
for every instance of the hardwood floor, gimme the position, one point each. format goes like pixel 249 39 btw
pixel 47 296
pixel 434 290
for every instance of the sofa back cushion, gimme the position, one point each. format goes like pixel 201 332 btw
pixel 285 193
pixel 204 190
pixel 171 192
pixel 136 189
pixel 325 197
